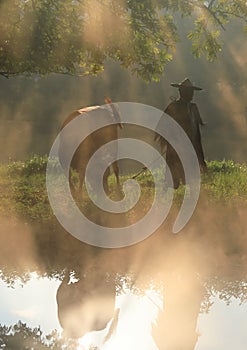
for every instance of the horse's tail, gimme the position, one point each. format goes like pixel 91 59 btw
pixel 115 111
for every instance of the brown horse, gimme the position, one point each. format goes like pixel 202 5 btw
pixel 92 142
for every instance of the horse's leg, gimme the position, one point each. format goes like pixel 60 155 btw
pixel 105 180
pixel 71 185
pixel 116 172
pixel 81 173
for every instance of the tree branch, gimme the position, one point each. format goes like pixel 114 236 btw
pixel 235 15
pixel 212 13
pixel 211 4
pixel 208 9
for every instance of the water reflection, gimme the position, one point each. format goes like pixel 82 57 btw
pixel 140 320
pixel 183 295
pixel 30 302
pixel 85 304
pixel 224 327
pixel 168 292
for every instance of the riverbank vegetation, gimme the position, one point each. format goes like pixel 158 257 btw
pixel 23 188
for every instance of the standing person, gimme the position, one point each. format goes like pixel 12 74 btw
pixel 187 115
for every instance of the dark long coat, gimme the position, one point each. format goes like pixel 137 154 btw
pixel 187 115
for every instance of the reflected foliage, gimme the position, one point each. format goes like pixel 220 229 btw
pixel 76 37
pixel 228 289
pixel 22 337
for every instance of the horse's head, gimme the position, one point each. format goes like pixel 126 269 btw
pixel 115 111
pixel 85 305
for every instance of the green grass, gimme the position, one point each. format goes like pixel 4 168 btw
pixel 225 180
pixel 23 190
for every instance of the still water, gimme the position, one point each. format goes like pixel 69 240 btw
pixel 224 326
pixel 186 291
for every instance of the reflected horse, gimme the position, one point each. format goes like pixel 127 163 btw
pixel 86 305
pixel 95 139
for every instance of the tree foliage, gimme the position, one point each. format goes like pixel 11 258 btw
pixel 78 36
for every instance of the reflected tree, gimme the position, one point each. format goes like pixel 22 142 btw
pixel 228 288
pixel 22 337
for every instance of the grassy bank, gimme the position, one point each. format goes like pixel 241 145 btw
pixel 23 190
